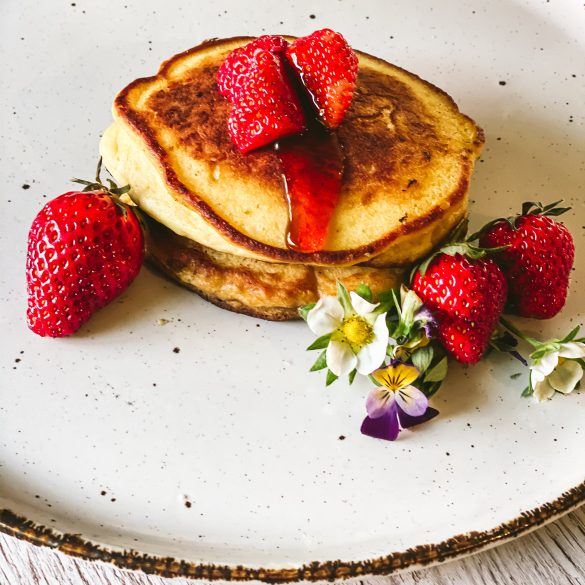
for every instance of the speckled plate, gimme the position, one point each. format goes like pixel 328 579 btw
pixel 203 444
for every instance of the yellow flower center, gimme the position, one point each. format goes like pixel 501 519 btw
pixel 356 331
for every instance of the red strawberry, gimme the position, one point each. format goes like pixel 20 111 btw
pixel 537 262
pixel 467 297
pixel 266 107
pixel 237 63
pixel 84 249
pixel 327 67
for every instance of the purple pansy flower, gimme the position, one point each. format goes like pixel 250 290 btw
pixel 395 404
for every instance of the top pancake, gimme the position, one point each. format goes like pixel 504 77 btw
pixel 408 154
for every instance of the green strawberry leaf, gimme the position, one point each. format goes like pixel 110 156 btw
pixel 571 336
pixel 364 291
pixel 320 343
pixel 320 362
pixel 438 372
pixel 331 377
pixel 304 310
pixel 422 358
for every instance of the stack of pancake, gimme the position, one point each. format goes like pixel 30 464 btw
pixel 217 219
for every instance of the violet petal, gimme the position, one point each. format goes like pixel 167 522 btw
pixel 385 427
pixel 407 421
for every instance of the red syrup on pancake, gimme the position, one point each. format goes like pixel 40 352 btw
pixel 312 167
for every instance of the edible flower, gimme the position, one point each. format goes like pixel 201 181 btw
pixel 394 403
pixel 557 370
pixel 556 364
pixel 353 331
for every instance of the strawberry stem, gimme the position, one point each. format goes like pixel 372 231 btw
pixel 113 190
pixel 505 323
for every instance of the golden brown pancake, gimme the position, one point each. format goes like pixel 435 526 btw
pixel 268 290
pixel 409 154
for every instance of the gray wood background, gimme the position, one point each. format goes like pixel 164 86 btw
pixel 552 555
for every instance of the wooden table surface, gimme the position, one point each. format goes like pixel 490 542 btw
pixel 552 555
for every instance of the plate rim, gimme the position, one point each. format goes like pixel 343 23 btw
pixel 415 557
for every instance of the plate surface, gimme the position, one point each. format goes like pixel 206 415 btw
pixel 206 439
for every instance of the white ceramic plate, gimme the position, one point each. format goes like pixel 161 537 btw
pixel 225 451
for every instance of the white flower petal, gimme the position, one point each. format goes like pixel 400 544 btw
pixel 361 306
pixel 548 362
pixel 373 354
pixel 536 375
pixel 565 377
pixel 340 359
pixel 325 317
pixel 573 350
pixel 543 391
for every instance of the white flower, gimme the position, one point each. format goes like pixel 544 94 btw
pixel 359 335
pixel 557 370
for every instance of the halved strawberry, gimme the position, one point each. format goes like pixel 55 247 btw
pixel 234 69
pixel 264 104
pixel 327 67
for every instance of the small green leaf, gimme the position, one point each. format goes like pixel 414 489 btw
pixel 516 375
pixel 431 388
pixel 571 335
pixel 438 372
pixel 344 299
pixel 352 376
pixel 422 358
pixel 364 291
pixel 331 377
pixel 527 391
pixel 304 310
pixel 386 296
pixel 320 343
pixel 320 362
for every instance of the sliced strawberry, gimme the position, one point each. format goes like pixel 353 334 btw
pixel 312 166
pixel 235 68
pixel 327 67
pixel 264 105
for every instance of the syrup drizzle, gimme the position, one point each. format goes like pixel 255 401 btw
pixel 312 167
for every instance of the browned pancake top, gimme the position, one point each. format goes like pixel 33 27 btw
pixel 384 134
pixel 408 156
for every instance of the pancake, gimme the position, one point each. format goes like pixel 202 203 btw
pixel 267 290
pixel 409 154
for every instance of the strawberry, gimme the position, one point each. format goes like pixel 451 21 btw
pixel 538 260
pixel 467 294
pixel 235 67
pixel 84 249
pixel 265 106
pixel 327 67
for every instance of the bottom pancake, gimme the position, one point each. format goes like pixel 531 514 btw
pixel 261 289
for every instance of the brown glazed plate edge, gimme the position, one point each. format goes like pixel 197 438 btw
pixel 419 556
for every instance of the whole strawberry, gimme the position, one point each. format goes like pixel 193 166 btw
pixel 84 249
pixel 466 296
pixel 538 260
pixel 265 106
pixel 327 67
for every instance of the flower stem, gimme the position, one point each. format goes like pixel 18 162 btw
pixel 518 333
